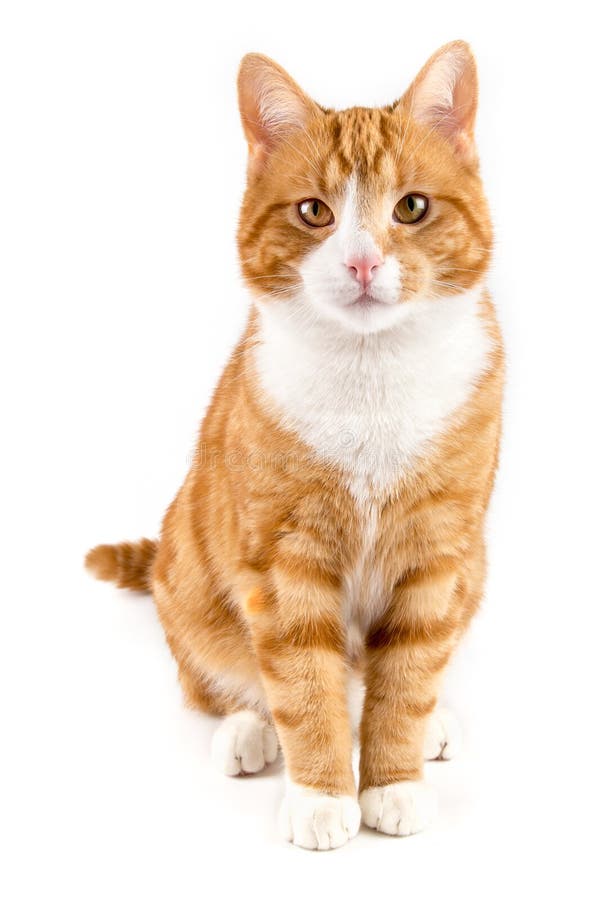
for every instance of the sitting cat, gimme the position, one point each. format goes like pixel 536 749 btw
pixel 333 519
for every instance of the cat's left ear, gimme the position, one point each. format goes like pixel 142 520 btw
pixel 272 106
pixel 444 97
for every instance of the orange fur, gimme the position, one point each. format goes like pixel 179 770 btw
pixel 248 576
pixel 127 564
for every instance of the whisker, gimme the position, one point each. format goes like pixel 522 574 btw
pixel 460 269
pixel 449 284
pixel 272 277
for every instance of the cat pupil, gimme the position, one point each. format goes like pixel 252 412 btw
pixel 315 208
pixel 411 203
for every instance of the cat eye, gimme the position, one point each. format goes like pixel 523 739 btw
pixel 411 209
pixel 315 213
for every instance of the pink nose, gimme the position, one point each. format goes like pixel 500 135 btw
pixel 362 267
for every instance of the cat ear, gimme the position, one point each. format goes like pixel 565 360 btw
pixel 444 96
pixel 271 104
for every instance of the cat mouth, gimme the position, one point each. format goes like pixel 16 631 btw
pixel 366 301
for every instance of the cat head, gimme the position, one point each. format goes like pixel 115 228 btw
pixel 351 216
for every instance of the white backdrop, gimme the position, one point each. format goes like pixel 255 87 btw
pixel 121 171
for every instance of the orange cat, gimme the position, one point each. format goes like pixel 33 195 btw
pixel 332 521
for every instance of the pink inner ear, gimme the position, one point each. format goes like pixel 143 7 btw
pixel 445 96
pixel 271 104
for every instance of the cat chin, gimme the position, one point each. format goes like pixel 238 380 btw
pixel 360 319
pixel 309 312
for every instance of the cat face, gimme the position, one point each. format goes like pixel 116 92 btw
pixel 352 216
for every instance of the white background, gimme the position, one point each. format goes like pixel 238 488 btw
pixel 121 170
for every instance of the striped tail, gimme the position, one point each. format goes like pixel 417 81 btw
pixel 129 565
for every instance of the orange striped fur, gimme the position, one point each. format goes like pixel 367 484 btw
pixel 252 573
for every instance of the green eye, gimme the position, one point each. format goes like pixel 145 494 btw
pixel 315 213
pixel 411 209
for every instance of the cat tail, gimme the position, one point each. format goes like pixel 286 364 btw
pixel 127 564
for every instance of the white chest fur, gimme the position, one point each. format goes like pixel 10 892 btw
pixel 371 403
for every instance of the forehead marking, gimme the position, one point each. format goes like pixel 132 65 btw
pixel 356 237
pixel 364 142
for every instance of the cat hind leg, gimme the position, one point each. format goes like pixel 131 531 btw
pixel 442 735
pixel 244 743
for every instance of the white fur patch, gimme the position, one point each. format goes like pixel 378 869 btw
pixel 247 693
pixel 330 287
pixel 318 821
pixel 355 690
pixel 364 594
pixel 371 403
pixel 400 809
pixel 442 735
pixel 244 743
pixel 435 92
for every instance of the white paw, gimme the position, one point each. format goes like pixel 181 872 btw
pixel 244 743
pixel 318 821
pixel 402 808
pixel 442 735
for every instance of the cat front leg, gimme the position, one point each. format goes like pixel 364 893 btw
pixel 298 638
pixel 406 655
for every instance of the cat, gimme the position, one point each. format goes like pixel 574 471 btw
pixel 331 525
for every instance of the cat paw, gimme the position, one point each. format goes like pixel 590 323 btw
pixel 244 743
pixel 400 809
pixel 442 735
pixel 318 821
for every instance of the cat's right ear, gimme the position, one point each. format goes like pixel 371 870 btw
pixel 271 105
